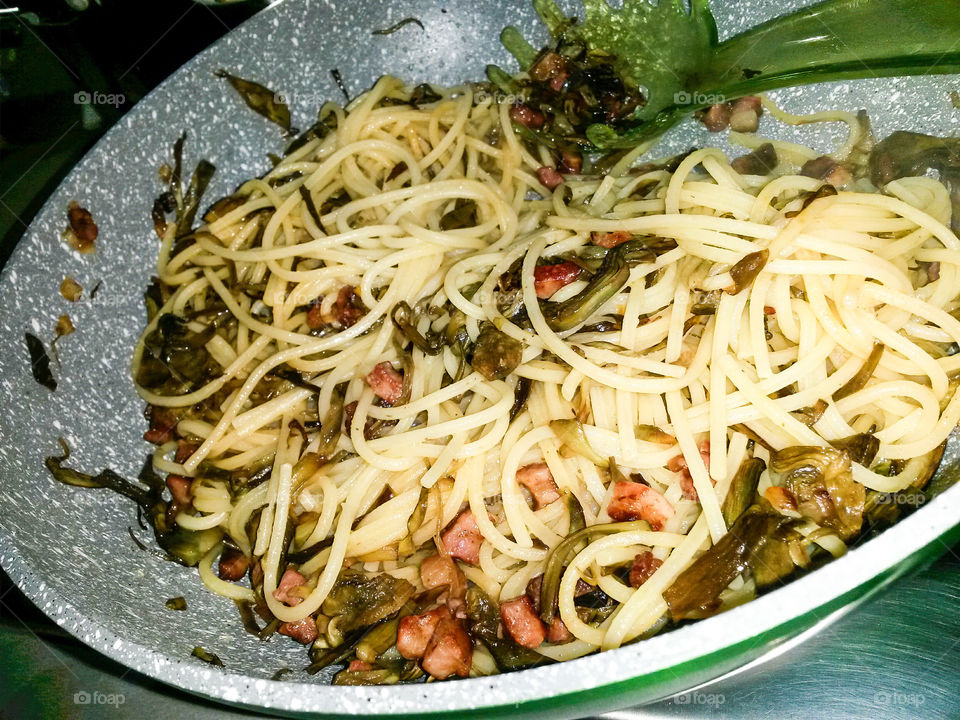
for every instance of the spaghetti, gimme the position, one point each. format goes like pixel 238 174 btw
pixel 420 343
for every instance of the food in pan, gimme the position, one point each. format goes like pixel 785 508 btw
pixel 451 390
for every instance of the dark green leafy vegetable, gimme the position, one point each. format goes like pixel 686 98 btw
pixel 247 617
pixel 423 94
pixel 183 203
pixel 862 448
pixel 260 99
pixel 406 319
pixel 761 161
pixel 338 79
pixel 483 616
pixel 398 25
pixel 358 601
pixel 742 489
pixel 463 215
pixel 938 481
pixel 496 354
pixel 823 191
pixel 822 481
pixel 378 641
pixel 520 395
pixel 175 353
pixel 571 434
pixel 323 657
pixel 378 676
pixel 746 270
pixel 199 181
pixel 809 416
pixel 40 362
pixel 651 433
pixel 207 657
pixel 910 154
pixel 406 547
pixel 758 541
pixel 610 278
pixel 311 207
pixel 223 206
pixel 561 553
pixel 183 546
pixel 330 427
pixel 177 603
pixel 858 381
pixel 326 122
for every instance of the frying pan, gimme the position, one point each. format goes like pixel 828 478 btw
pixel 69 550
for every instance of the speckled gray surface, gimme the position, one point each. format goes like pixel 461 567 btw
pixel 69 549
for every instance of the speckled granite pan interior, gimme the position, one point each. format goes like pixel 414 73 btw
pixel 69 549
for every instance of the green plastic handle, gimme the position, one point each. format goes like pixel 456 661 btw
pixel 833 40
pixel 840 39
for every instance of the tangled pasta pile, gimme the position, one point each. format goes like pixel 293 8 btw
pixel 457 401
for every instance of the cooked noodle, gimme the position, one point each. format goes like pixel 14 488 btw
pixel 840 274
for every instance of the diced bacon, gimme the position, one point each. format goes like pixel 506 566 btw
pixel 462 539
pixel 749 102
pixel 644 566
pixel 359 666
pixel 769 310
pixel 414 632
pixel 610 239
pixel 439 571
pixel 303 631
pixel 678 463
pixel 163 422
pixel 533 591
pixel 536 583
pixel 687 487
pixel 184 451
pixel 349 307
pixel 180 488
pixel 827 169
pixel 780 498
pixel 386 382
pixel 232 565
pixel 547 279
pixel 315 315
pixel 557 632
pixel 570 162
pixel 522 623
pixel 635 501
pixel 557 82
pixel 551 67
pixel 745 114
pixel 539 481
pixel 549 177
pixel 527 116
pixel 286 589
pixel 82 226
pixel 449 652
pixel 717 117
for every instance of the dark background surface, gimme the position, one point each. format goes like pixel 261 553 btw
pixel 896 657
